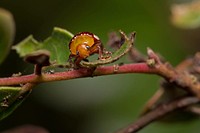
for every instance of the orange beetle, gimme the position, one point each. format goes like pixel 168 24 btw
pixel 83 45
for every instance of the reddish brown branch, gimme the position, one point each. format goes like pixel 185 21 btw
pixel 181 78
pixel 83 72
pixel 157 113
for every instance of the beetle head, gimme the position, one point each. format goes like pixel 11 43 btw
pixel 83 50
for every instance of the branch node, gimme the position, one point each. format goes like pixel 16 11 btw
pixel 194 79
pixel 115 68
pixel 153 55
pixel 151 63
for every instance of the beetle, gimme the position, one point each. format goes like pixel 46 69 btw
pixel 84 44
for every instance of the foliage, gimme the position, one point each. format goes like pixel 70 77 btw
pixel 56 44
pixel 7 31
pixel 186 15
pixel 10 98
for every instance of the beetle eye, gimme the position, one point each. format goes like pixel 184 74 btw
pixel 87 47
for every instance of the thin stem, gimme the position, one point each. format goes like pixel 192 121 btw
pixel 26 88
pixel 158 113
pixel 38 69
pixel 183 79
pixel 83 72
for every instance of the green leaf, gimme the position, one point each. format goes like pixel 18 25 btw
pixel 186 15
pixel 7 31
pixel 10 99
pixel 56 45
pixel 27 46
pixel 116 55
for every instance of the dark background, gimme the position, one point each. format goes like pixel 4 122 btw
pixel 100 104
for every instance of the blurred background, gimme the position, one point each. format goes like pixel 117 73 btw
pixel 100 104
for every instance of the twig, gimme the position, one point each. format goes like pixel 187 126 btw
pixel 158 113
pixel 184 65
pixel 80 73
pixel 151 103
pixel 183 79
pixel 166 88
pixel 136 56
pixel 26 88
pixel 38 69
pixel 195 109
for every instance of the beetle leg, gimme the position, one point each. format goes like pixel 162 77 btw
pixel 97 48
pixel 100 49
pixel 77 62
pixel 107 52
pixel 100 52
pixel 71 64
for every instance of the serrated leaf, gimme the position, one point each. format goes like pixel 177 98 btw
pixel 27 46
pixel 116 55
pixel 7 31
pixel 186 15
pixel 10 99
pixel 56 44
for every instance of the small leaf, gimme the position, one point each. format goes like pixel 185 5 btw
pixel 7 31
pixel 116 55
pixel 27 46
pixel 40 57
pixel 186 15
pixel 10 99
pixel 56 45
